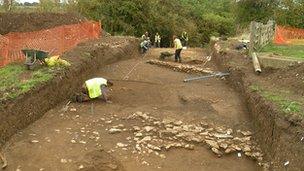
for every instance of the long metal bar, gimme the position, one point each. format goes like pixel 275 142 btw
pixel 220 74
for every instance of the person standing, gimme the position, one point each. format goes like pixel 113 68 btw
pixel 185 38
pixel 178 49
pixel 157 40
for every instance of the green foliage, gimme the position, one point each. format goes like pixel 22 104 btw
pixel 284 12
pixel 288 106
pixel 294 51
pixel 282 101
pixel 16 80
pixel 48 6
pixel 168 17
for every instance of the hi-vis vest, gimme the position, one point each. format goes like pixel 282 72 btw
pixel 178 44
pixel 93 86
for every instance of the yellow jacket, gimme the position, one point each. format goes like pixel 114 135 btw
pixel 178 44
pixel 94 87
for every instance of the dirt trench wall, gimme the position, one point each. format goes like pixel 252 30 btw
pixel 86 59
pixel 27 22
pixel 279 137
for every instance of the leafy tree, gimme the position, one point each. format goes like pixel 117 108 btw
pixel 168 17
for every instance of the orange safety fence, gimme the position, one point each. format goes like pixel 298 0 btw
pixel 288 35
pixel 56 40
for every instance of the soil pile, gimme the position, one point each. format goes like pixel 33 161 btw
pixel 26 22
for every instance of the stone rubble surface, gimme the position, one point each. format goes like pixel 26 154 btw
pixel 156 136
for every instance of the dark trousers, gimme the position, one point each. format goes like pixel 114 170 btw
pixel 157 44
pixel 178 55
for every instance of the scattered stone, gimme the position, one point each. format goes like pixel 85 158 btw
pixel 153 147
pixel 73 109
pixel 167 121
pixel 246 133
pixel 95 133
pixel 145 163
pixel 217 152
pixel 189 147
pixel 162 156
pixel 224 146
pixel 112 166
pixel 121 145
pixel 82 142
pixel 108 122
pixel 229 150
pixel 139 134
pixel 246 149
pixel 137 147
pixel 142 115
pixel 223 136
pixel 64 161
pixel 114 130
pixel 236 147
pixel 136 128
pixel 80 167
pixel 35 141
pixel 286 163
pixel 178 123
pixel 145 139
pixel 204 133
pixel 148 128
pixel 229 131
pixel 212 144
pixel 157 123
pixel 73 141
pixel 18 168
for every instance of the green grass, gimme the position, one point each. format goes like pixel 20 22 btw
pixel 15 80
pixel 280 98
pixel 293 51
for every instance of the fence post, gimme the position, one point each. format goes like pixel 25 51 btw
pixel 252 35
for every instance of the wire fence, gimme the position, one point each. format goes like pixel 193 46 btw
pixel 56 40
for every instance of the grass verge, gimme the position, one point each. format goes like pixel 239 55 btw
pixel 15 80
pixel 281 99
pixel 293 51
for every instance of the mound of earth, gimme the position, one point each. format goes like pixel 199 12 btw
pixel 26 22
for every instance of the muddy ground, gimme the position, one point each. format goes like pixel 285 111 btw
pixel 27 22
pixel 78 136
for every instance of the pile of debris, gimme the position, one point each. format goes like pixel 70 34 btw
pixel 155 136
pixel 180 67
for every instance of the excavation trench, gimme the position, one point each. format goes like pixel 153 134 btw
pixel 86 59
pixel 280 135
pixel 78 136
pixel 40 132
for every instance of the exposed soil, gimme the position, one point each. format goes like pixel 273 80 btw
pixel 77 136
pixel 27 22
pixel 85 59
pixel 280 134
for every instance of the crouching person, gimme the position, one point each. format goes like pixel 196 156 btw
pixel 93 89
